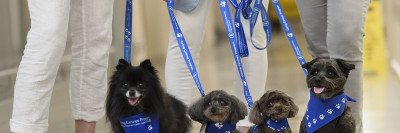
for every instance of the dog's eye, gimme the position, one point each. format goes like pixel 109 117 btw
pixel 330 73
pixel 140 85
pixel 125 85
pixel 315 72
pixel 223 103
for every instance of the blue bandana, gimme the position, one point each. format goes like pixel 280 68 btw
pixel 321 112
pixel 276 125
pixel 140 123
pixel 225 127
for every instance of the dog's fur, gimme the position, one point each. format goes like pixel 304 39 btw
pixel 332 75
pixel 137 89
pixel 218 106
pixel 274 105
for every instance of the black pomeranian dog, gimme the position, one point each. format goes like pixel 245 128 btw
pixel 136 90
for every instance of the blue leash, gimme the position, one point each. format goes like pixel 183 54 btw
pixel 231 35
pixel 244 9
pixel 258 6
pixel 241 8
pixel 184 47
pixel 289 33
pixel 267 28
pixel 128 31
pixel 238 40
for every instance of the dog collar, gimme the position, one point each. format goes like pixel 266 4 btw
pixel 276 125
pixel 321 112
pixel 141 123
pixel 226 127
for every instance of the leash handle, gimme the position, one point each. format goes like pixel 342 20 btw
pixel 258 6
pixel 241 8
pixel 289 33
pixel 184 47
pixel 128 31
pixel 232 41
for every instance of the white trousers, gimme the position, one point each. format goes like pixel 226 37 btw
pixel 178 78
pixel 91 26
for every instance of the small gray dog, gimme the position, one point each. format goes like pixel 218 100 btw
pixel 270 113
pixel 219 110
pixel 326 79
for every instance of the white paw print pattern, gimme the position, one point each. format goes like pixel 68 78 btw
pixel 309 124
pixel 322 116
pixel 179 35
pixel 283 127
pixel 223 3
pixel 150 127
pixel 219 125
pixel 343 100
pixel 237 25
pixel 337 106
pixel 307 117
pixel 314 121
pixel 330 111
pixel 290 34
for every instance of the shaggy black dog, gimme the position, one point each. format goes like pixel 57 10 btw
pixel 326 79
pixel 136 90
pixel 273 105
pixel 218 107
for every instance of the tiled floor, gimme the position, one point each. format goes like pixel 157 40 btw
pixel 381 94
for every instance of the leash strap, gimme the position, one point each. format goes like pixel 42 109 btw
pixel 242 8
pixel 258 6
pixel 231 35
pixel 128 31
pixel 184 47
pixel 288 32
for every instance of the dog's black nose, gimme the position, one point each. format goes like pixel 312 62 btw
pixel 213 110
pixel 318 79
pixel 131 93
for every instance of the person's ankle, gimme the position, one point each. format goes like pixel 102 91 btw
pixel 243 129
pixel 82 126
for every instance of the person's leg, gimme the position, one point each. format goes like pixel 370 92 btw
pixel 37 71
pixel 91 27
pixel 345 33
pixel 255 66
pixel 313 14
pixel 177 76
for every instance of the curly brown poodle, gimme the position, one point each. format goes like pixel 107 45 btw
pixel 273 105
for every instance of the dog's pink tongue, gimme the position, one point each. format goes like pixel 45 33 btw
pixel 133 101
pixel 318 90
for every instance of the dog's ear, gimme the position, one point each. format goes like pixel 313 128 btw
pixel 238 109
pixel 293 108
pixel 122 64
pixel 146 64
pixel 255 114
pixel 196 110
pixel 309 64
pixel 345 67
